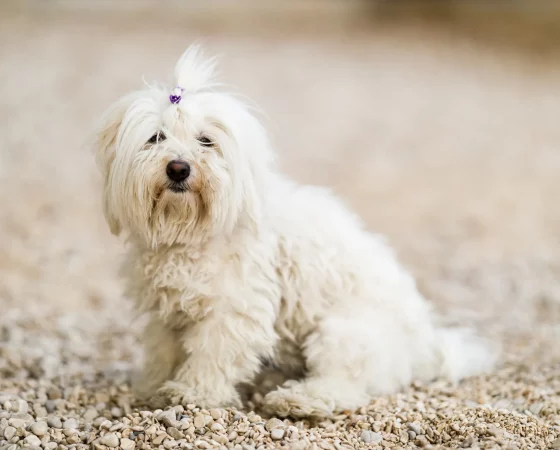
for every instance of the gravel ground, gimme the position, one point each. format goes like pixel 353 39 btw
pixel 448 146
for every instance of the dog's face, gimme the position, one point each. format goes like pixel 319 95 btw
pixel 184 168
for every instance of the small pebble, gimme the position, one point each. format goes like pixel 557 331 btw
pixel 90 415
pixel 216 427
pixel 415 427
pixel 199 421
pixel 50 406
pixel 232 436
pixel 174 433
pixel 127 444
pixel 9 432
pixel 39 428
pixel 106 424
pixel 158 440
pixel 70 424
pixel 277 434
pixel 54 422
pixel 17 423
pixel 32 440
pixel 19 406
pixel 273 423
pixel 169 444
pixel 54 393
pixel 110 440
pixel 371 437
pixel 216 414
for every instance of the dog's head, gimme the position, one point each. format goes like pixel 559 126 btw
pixel 182 163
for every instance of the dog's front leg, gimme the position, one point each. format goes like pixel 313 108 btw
pixel 221 351
pixel 163 352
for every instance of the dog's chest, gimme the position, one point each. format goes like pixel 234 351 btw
pixel 179 282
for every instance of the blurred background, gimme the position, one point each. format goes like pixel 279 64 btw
pixel 436 121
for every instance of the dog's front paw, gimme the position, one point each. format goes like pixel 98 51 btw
pixel 175 393
pixel 295 402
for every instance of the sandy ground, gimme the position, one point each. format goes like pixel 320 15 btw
pixel 449 146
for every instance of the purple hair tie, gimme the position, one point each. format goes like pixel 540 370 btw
pixel 175 96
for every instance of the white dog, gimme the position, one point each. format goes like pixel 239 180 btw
pixel 236 264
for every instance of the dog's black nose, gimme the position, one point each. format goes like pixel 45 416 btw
pixel 178 170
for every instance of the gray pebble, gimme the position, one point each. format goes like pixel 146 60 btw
pixel 168 419
pixel 216 427
pixel 277 433
pixel 371 437
pixel 50 406
pixel 70 424
pixel 415 427
pixel 174 433
pixel 39 428
pixel 54 422
pixel 19 406
pixel 6 396
pixel 9 433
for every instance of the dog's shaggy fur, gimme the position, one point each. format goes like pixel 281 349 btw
pixel 237 264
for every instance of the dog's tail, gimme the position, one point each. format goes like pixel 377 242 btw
pixel 464 354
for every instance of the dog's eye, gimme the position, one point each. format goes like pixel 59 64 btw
pixel 205 141
pixel 158 137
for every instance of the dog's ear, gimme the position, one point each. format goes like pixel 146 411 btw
pixel 110 217
pixel 103 143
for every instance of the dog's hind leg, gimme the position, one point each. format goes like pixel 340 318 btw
pixel 335 375
pixel 350 357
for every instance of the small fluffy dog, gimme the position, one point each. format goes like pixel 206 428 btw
pixel 236 264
